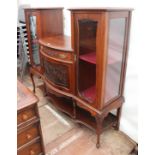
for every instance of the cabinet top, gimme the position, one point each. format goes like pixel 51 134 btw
pixel 58 42
pixel 25 97
pixel 42 8
pixel 100 9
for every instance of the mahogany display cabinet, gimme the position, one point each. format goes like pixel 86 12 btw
pixel 84 74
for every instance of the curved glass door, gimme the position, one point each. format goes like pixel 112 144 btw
pixel 87 59
pixel 34 39
pixel 115 56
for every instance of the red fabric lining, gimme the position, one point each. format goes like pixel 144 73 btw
pixel 89 93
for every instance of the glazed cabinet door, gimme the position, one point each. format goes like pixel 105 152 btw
pixel 34 33
pixel 116 55
pixel 87 29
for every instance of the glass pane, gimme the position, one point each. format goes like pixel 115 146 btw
pixel 34 40
pixel 87 59
pixel 115 53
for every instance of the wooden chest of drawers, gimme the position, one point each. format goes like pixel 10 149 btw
pixel 29 136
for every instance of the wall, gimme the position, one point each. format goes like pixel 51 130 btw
pixel 129 119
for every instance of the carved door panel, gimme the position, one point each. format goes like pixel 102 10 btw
pixel 59 74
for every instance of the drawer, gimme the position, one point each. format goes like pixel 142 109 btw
pixel 26 115
pixel 62 55
pixel 34 149
pixel 27 135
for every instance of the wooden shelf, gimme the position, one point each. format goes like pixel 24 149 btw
pixel 63 104
pixel 114 51
pixel 114 57
pixel 89 93
pixel 84 117
pixel 89 57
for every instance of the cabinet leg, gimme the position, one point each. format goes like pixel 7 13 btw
pixel 74 109
pixel 33 83
pixel 119 111
pixel 98 130
pixel 98 141
pixel 45 91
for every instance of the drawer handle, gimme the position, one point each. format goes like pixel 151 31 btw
pixel 25 117
pixel 29 136
pixel 32 152
pixel 62 56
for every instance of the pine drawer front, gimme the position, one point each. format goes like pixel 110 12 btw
pixel 27 135
pixel 34 149
pixel 26 115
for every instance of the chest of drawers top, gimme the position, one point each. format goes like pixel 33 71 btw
pixel 25 98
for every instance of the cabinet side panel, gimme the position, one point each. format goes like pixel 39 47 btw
pixel 116 56
pixel 126 46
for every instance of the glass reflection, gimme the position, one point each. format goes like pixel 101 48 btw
pixel 115 54
pixel 34 40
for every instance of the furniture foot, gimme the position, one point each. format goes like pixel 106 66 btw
pixel 119 111
pixel 33 83
pixel 98 145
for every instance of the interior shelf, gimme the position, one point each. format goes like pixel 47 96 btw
pixel 114 56
pixel 63 104
pixel 84 117
pixel 89 57
pixel 89 93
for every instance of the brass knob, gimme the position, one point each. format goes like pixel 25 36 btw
pixel 32 152
pixel 29 136
pixel 62 56
pixel 25 117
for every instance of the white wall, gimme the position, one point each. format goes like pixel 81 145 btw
pixel 129 119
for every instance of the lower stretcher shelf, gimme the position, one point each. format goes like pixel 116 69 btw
pixel 81 116
pixel 63 104
pixel 85 118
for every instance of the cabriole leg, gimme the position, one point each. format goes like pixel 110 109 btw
pixel 33 83
pixel 98 130
pixel 119 111
pixel 45 91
